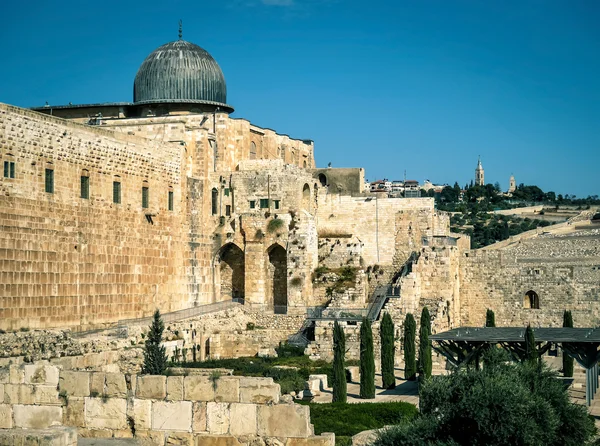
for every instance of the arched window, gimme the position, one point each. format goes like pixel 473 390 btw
pixel 322 179
pixel 531 300
pixel 306 197
pixel 252 151
pixel 214 200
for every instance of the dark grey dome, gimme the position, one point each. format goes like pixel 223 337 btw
pixel 180 72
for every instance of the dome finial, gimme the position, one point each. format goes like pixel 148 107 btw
pixel 180 29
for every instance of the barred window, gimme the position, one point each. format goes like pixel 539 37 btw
pixel 145 197
pixel 264 203
pixel 9 169
pixel 49 181
pixel 85 187
pixel 116 192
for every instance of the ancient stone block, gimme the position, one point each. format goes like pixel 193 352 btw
pixel 199 417
pixel 289 420
pixel 217 418
pixel 151 387
pixel 47 395
pixel 107 413
pixel 19 394
pixel 259 390
pixel 75 383
pixel 172 415
pixel 53 436
pixel 325 439
pixel 322 381
pixel 116 387
pixel 141 413
pixel 198 388
pixel 180 439
pixel 228 390
pixel 97 381
pixel 5 416
pixel 216 440
pixel 16 375
pixel 36 417
pixel 41 374
pixel 74 412
pixel 242 419
pixel 1 393
pixel 175 388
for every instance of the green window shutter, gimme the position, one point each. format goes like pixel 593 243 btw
pixel 252 204
pixel 85 187
pixel 6 169
pixel 49 181
pixel 12 170
pixel 145 194
pixel 116 192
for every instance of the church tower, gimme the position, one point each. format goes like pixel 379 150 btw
pixel 512 184
pixel 479 175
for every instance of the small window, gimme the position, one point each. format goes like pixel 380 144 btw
pixel 227 210
pixel 276 204
pixel 50 181
pixel 145 197
pixel 85 187
pixel 227 192
pixel 252 204
pixel 170 200
pixel 116 192
pixel 264 203
pixel 9 169
pixel 214 199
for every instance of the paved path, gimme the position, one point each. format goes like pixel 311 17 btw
pixel 405 391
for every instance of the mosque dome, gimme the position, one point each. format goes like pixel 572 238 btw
pixel 180 72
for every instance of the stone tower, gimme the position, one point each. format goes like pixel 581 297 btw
pixel 512 184
pixel 479 175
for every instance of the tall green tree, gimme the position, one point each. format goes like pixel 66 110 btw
pixel 155 355
pixel 567 360
pixel 531 353
pixel 424 363
pixel 490 318
pixel 339 364
pixel 410 364
pixel 387 352
pixel 367 360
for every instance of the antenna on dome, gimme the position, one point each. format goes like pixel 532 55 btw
pixel 180 29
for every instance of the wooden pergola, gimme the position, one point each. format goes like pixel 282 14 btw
pixel 462 345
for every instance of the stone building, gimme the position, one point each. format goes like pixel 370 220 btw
pixel 512 184
pixel 112 210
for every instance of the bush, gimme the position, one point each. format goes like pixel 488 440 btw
pixel 346 420
pixel 275 225
pixel 490 318
pixel 338 381
pixel 503 404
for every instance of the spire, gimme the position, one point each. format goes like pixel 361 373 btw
pixel 479 166
pixel 180 29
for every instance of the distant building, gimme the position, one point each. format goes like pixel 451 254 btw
pixel 479 174
pixel 411 189
pixel 512 184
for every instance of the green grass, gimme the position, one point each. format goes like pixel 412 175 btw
pixel 346 420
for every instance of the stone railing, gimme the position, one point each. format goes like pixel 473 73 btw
pixel 185 410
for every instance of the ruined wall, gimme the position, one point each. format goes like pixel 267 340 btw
pixel 70 261
pixel 373 222
pixel 185 410
pixel 564 271
pixel 345 181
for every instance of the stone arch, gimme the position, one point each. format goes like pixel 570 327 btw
pixel 323 179
pixel 230 270
pixel 252 150
pixel 531 300
pixel 306 197
pixel 277 277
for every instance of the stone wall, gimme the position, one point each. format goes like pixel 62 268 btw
pixel 184 410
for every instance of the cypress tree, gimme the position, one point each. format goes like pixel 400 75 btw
pixel 567 360
pixel 339 367
pixel 367 361
pixel 490 318
pixel 387 352
pixel 410 366
pixel 155 356
pixel 425 365
pixel 531 354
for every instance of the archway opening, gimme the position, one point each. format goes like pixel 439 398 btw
pixel 531 300
pixel 232 272
pixel 278 278
pixel 322 179
pixel 306 197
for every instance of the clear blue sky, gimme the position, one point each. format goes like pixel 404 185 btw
pixel 423 86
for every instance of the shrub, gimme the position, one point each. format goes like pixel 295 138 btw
pixel 250 325
pixel 275 225
pixel 490 318
pixel 567 360
pixel 410 366
pixel 531 353
pixel 367 361
pixel 339 368
pixel 155 356
pixel 387 352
